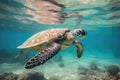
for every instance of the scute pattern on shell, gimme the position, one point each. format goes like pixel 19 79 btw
pixel 42 37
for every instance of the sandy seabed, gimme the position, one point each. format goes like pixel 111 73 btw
pixel 65 67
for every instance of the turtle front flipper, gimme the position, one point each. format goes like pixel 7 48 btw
pixel 79 48
pixel 44 56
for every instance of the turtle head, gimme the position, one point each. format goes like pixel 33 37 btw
pixel 77 34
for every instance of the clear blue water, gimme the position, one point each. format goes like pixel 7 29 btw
pixel 101 20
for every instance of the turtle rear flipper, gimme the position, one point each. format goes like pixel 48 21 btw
pixel 20 53
pixel 44 56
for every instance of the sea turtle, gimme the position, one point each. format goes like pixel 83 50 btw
pixel 50 42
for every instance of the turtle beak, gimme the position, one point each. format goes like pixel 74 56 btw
pixel 83 32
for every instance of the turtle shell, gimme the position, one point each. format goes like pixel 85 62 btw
pixel 42 37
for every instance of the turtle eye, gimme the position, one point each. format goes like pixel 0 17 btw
pixel 78 32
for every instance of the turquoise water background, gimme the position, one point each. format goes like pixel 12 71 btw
pixel 101 20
